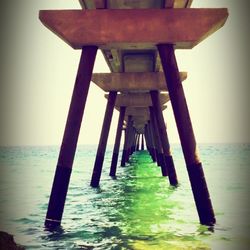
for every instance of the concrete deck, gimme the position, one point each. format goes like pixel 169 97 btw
pixel 134 28
pixel 133 60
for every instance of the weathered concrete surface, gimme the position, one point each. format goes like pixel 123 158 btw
pixel 139 111
pixel 133 60
pixel 145 81
pixel 140 118
pixel 138 99
pixel 132 28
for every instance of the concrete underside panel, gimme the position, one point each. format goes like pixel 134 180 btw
pixel 138 99
pixel 126 82
pixel 134 28
pixel 135 58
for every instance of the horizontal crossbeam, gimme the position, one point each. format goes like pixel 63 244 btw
pixel 137 99
pixel 145 81
pixel 120 28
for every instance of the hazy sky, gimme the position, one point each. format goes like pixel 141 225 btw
pixel 38 72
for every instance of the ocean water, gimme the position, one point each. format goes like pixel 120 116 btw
pixel 137 210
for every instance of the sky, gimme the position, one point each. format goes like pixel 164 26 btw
pixel 38 72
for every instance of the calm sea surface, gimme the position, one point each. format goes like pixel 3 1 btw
pixel 138 210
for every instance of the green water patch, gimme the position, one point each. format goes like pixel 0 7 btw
pixel 147 213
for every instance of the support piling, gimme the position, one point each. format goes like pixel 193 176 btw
pixel 126 142
pixel 147 141
pixel 142 142
pixel 152 141
pixel 164 138
pixel 156 135
pixel 186 134
pixel 138 142
pixel 117 142
pixel 70 138
pixel 95 180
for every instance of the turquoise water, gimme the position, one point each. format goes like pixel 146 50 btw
pixel 138 210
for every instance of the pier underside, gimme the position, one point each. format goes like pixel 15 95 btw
pixel 138 40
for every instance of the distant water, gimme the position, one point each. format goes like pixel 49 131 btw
pixel 138 210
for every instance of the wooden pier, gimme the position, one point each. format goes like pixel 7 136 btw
pixel 138 40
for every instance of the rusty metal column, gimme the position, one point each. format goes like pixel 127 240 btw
pixel 187 138
pixel 126 141
pixel 152 141
pixel 164 138
pixel 123 162
pixel 147 141
pixel 97 171
pixel 134 141
pixel 70 138
pixel 117 142
pixel 131 140
pixel 156 139
pixel 142 142
pixel 130 137
pixel 138 142
pixel 160 155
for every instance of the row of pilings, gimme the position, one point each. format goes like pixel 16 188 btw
pixel 154 131
pixel 139 48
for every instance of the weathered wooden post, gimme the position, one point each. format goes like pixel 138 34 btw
pixel 70 138
pixel 186 133
pixel 103 139
pixel 164 138
pixel 117 141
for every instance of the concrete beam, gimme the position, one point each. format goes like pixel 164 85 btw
pixel 138 99
pixel 178 3
pixel 140 111
pixel 140 119
pixel 122 82
pixel 128 4
pixel 135 112
pixel 134 28
pixel 140 130
pixel 114 57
